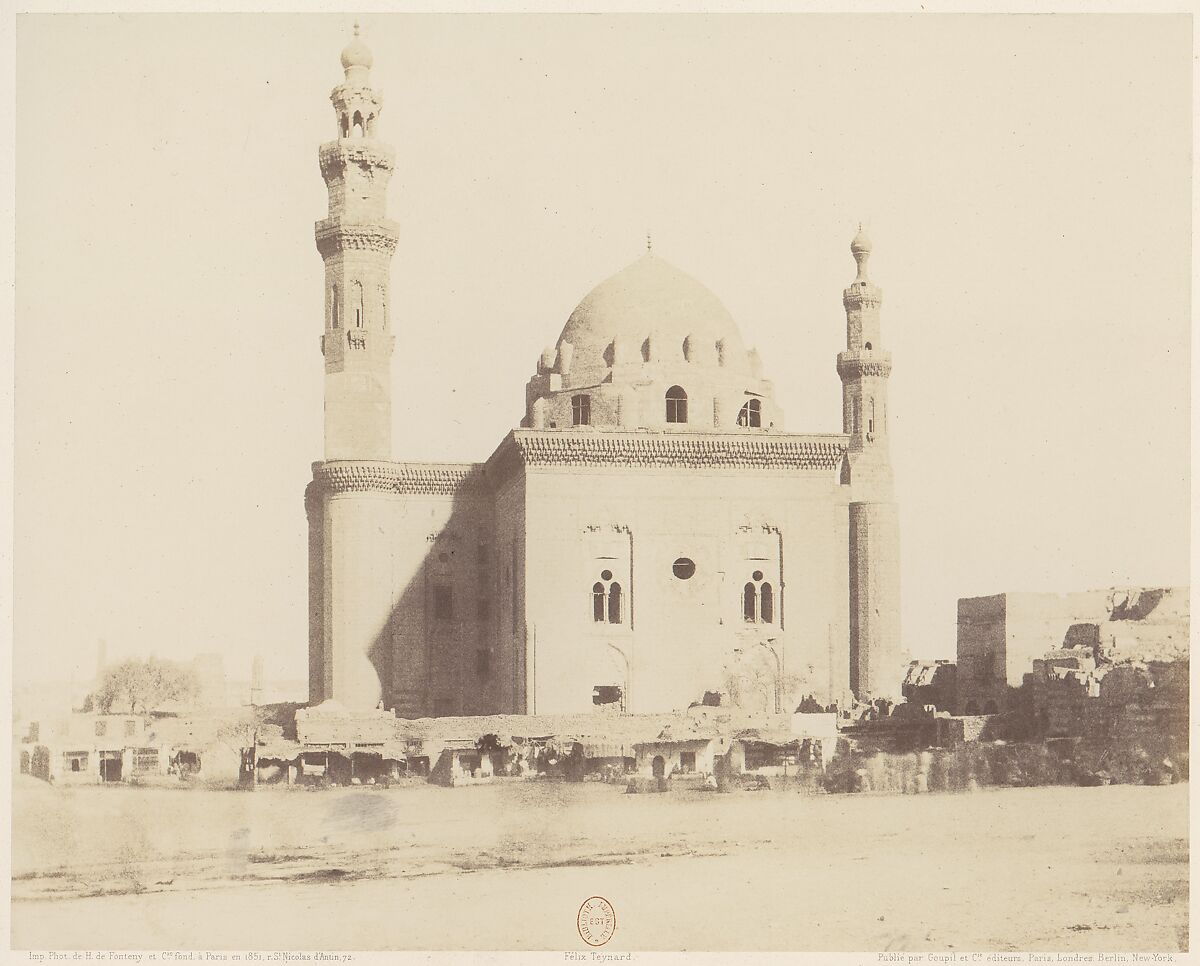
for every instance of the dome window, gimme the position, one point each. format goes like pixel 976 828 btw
pixel 751 414
pixel 676 405
pixel 581 410
pixel 683 568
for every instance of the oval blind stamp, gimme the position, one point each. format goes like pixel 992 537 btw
pixel 597 921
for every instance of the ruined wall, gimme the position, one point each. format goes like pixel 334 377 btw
pixel 999 638
pixel 981 653
pixel 1037 623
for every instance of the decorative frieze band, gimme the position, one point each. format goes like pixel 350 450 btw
pixel 670 451
pixel 334 237
pixel 423 479
pixel 852 367
pixel 569 449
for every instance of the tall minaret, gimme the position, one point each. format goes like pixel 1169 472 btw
pixel 356 241
pixel 875 649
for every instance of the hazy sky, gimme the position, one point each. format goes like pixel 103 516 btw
pixel 1025 181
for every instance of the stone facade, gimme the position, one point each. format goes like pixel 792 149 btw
pixel 649 534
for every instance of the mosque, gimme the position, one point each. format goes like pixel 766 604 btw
pixel 649 537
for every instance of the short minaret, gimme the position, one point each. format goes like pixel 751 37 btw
pixel 356 241
pixel 875 649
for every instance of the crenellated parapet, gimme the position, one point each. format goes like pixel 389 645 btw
pixel 674 451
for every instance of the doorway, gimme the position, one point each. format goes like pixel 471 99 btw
pixel 110 766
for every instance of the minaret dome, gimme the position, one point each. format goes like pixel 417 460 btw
pixel 860 248
pixel 357 60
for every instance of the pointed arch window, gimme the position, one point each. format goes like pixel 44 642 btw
pixel 677 410
pixel 359 309
pixel 599 610
pixel 358 124
pixel 751 414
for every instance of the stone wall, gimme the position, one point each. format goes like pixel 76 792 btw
pixel 400 558
pixel 678 637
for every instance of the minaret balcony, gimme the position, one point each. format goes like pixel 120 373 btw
pixel 862 295
pixel 334 236
pixel 864 362
pixel 341 344
pixel 338 155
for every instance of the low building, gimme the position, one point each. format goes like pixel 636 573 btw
pixel 776 753
pixel 84 747
pixel 90 748
pixel 682 751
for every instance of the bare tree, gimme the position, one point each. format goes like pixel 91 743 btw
pixel 139 686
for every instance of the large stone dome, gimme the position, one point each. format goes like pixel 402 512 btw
pixel 650 348
pixel 651 309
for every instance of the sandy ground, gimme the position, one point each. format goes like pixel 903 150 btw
pixel 506 866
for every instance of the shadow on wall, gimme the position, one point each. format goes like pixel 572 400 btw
pixel 439 650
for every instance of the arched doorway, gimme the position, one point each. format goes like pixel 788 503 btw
pixel 658 767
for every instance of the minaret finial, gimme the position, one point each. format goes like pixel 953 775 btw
pixel 860 248
pixel 649 245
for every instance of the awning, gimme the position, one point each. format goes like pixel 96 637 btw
pixel 277 751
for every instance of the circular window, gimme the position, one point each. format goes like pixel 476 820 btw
pixel 757 575
pixel 606 575
pixel 684 568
